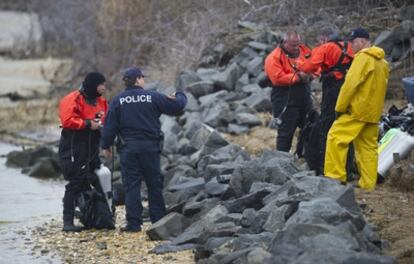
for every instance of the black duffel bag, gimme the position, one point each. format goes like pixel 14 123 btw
pixel 94 210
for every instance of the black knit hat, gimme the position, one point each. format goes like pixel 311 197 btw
pixel 91 82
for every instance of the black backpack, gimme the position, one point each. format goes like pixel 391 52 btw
pixel 94 210
pixel 309 141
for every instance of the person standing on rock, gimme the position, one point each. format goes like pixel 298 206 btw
pixel 332 59
pixel 82 113
pixel 290 95
pixel 134 116
pixel 359 107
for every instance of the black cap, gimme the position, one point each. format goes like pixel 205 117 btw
pixel 133 73
pixel 358 33
pixel 91 82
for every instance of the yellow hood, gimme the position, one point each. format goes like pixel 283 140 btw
pixel 374 51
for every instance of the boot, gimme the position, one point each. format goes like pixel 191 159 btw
pixel 68 225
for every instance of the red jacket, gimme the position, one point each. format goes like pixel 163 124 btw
pixel 74 111
pixel 281 69
pixel 325 57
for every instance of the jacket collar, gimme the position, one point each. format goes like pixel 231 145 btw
pixel 133 87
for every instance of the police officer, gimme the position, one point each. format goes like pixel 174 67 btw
pixel 81 114
pixel 134 116
pixel 290 94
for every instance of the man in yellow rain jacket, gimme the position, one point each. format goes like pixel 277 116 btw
pixel 359 108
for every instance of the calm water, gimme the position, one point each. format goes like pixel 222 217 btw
pixel 24 202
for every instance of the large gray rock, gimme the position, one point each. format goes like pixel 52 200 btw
pixel 196 229
pixel 207 140
pixel 310 237
pixel 227 79
pixel 339 256
pixel 186 78
pixel 214 188
pixel 192 125
pixel 256 186
pixel 245 56
pixel 257 256
pixel 169 226
pixel 169 125
pixel 258 46
pixel 182 170
pixel 242 81
pixel 216 170
pixel 237 129
pixel 225 229
pixel 248 119
pixel 200 88
pixel 170 247
pixel 45 168
pixel 202 135
pixel 192 104
pixel 234 217
pixel 253 88
pixel 184 147
pixel 260 101
pixel 222 156
pixel 196 205
pixel 326 187
pixel 29 157
pixel 320 211
pixel 251 200
pixel 244 241
pixel 403 31
pixel 385 40
pixel 171 128
pixel 210 99
pixel 255 66
pixel 195 185
pixel 275 171
pixel 407 12
pixel 276 219
pixel 206 74
pixel 217 114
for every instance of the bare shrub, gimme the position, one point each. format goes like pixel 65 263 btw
pixel 166 36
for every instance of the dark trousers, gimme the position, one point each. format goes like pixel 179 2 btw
pixel 134 168
pixel 79 181
pixel 290 105
pixel 330 93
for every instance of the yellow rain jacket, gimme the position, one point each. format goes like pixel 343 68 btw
pixel 363 92
pixel 361 99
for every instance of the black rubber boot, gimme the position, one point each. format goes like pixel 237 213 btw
pixel 68 225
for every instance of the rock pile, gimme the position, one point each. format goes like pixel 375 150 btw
pixel 229 97
pixel 230 207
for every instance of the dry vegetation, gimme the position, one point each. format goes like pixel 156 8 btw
pixel 167 36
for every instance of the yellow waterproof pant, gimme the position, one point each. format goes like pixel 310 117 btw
pixel 364 136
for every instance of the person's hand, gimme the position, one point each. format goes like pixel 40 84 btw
pixel 107 153
pixel 95 124
pixel 171 96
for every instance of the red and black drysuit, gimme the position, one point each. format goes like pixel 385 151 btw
pixel 332 59
pixel 79 144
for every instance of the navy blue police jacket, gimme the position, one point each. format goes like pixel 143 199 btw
pixel 134 115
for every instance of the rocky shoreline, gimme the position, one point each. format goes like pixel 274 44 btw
pixel 101 246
